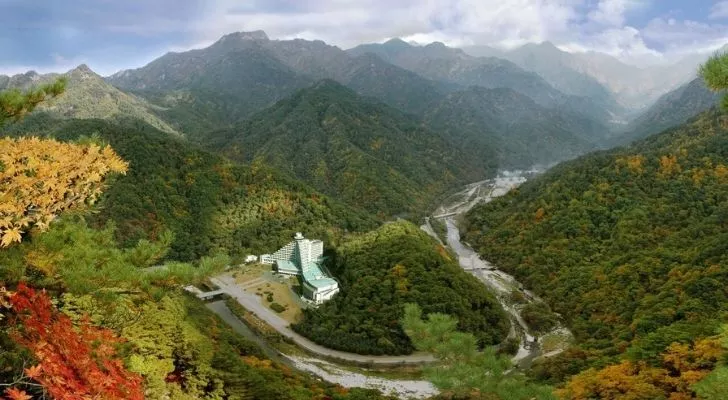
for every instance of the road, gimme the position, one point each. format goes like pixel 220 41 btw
pixel 404 389
pixel 252 303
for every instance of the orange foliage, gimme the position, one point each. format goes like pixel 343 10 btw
pixel 41 178
pixel 540 213
pixel 668 166
pixel 682 366
pixel 635 163
pixel 73 362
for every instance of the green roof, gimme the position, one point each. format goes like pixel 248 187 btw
pixel 288 266
pixel 313 275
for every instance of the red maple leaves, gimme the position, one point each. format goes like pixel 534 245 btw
pixel 74 362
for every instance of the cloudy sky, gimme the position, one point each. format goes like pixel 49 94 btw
pixel 56 35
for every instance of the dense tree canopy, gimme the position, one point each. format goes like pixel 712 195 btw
pixel 382 270
pixel 628 245
pixel 208 203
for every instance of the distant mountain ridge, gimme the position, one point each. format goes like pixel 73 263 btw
pixel 672 109
pixel 88 96
pixel 439 62
pixel 633 87
pixel 243 73
pixel 216 88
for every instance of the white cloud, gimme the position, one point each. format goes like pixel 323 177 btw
pixel 719 10
pixel 609 12
pixel 683 37
pixel 577 25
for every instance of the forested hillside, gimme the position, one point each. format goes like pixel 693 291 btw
pixel 628 245
pixel 207 202
pixel 88 96
pixel 671 109
pixel 379 273
pixel 442 63
pixel 364 153
pixel 511 127
pixel 81 317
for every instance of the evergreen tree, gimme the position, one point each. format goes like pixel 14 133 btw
pixel 14 103
pixel 715 74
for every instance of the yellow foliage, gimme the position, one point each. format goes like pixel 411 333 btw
pixel 668 166
pixel 698 176
pixel 540 213
pixel 41 178
pixel 682 366
pixel 256 362
pixel 721 172
pixel 635 163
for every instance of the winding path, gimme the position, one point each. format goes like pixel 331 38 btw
pixel 402 388
pixel 252 303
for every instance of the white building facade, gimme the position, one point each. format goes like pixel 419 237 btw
pixel 303 257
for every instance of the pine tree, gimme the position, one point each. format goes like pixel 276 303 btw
pixel 14 103
pixel 715 74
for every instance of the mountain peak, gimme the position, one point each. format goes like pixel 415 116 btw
pixel 83 68
pixel 82 71
pixel 436 45
pixel 397 42
pixel 252 36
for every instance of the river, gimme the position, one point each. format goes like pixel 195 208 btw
pixel 329 371
pixel 500 283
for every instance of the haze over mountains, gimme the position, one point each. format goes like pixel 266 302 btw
pixel 253 98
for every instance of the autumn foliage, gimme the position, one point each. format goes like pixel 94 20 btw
pixel 74 362
pixel 682 366
pixel 41 178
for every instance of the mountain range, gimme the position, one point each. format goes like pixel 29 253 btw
pixel 365 152
pixel 234 147
pixel 404 121
pixel 589 73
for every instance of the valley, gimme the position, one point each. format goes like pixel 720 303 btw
pixel 440 215
pixel 501 283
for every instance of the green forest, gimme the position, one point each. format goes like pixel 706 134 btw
pixel 628 245
pixel 208 203
pixel 83 315
pixel 364 153
pixel 382 270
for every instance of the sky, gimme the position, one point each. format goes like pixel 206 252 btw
pixel 57 35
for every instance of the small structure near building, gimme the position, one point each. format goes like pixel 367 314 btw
pixel 303 257
pixel 251 259
pixel 204 295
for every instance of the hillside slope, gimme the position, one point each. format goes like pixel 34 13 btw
pixel 88 96
pixel 365 153
pixel 628 245
pixel 441 63
pixel 383 270
pixel 672 109
pixel 520 132
pixel 206 201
